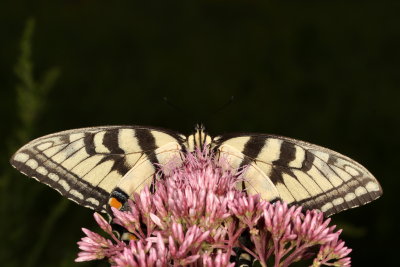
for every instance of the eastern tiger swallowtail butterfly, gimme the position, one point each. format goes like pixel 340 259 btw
pixel 101 166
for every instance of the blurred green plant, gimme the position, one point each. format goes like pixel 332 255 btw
pixel 17 195
pixel 31 94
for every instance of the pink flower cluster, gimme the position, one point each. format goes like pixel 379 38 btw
pixel 197 217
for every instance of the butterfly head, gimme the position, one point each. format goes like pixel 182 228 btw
pixel 198 139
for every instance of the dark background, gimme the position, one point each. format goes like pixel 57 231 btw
pixel 327 73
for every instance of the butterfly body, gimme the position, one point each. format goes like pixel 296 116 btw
pixel 102 166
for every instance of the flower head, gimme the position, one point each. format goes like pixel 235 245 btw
pixel 197 217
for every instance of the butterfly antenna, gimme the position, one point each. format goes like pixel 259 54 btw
pixel 206 117
pixel 179 110
pixel 219 109
pixel 172 105
pixel 224 106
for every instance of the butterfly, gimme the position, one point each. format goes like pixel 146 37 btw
pixel 98 167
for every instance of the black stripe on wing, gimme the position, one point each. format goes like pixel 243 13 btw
pixel 53 173
pixel 45 159
pixel 339 182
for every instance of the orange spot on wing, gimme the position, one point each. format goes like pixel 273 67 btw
pixel 132 237
pixel 128 236
pixel 113 202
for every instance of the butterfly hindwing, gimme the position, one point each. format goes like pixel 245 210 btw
pixel 86 164
pixel 302 173
pixel 100 165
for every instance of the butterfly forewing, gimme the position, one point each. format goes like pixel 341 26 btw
pixel 86 164
pixel 303 173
